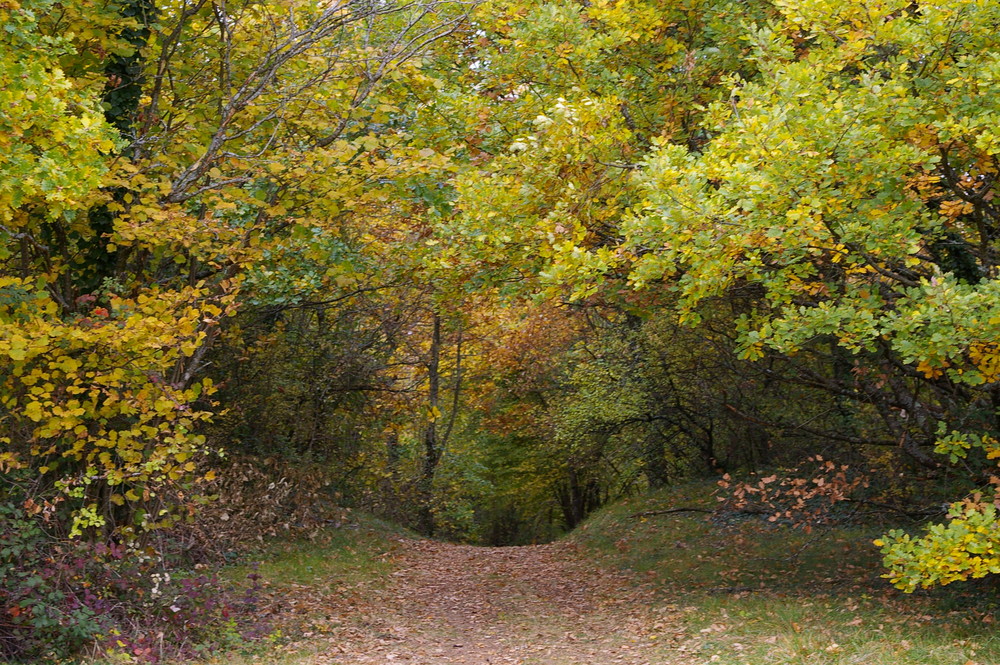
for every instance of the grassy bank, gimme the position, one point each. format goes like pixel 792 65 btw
pixel 755 594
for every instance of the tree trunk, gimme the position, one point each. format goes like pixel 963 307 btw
pixel 432 448
pixel 655 461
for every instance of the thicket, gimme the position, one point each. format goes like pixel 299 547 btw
pixel 480 267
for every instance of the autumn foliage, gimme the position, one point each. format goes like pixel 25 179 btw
pixel 486 266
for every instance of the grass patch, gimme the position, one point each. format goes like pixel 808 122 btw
pixel 755 594
pixel 307 584
pixel 271 655
pixel 353 553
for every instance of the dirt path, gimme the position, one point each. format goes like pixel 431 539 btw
pixel 500 606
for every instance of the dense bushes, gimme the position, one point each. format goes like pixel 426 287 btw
pixel 61 597
pixel 49 607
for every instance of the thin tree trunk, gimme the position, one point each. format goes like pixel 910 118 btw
pixel 432 449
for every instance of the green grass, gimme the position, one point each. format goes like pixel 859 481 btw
pixel 755 594
pixel 309 576
pixel 301 655
pixel 354 553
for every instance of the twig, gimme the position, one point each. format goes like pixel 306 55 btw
pixel 669 511
pixel 914 514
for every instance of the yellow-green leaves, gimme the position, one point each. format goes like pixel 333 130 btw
pixel 98 396
pixel 53 136
pixel 965 547
pixel 841 180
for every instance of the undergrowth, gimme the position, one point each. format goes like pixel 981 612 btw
pixel 258 609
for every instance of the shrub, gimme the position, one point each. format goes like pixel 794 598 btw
pixel 45 611
pixel 60 597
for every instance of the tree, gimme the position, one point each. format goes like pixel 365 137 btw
pixel 159 156
pixel 850 183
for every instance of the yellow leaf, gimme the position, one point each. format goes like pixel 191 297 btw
pixel 33 410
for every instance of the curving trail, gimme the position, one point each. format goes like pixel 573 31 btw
pixel 538 604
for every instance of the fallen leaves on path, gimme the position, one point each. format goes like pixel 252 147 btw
pixel 539 604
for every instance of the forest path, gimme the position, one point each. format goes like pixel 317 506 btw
pixel 539 604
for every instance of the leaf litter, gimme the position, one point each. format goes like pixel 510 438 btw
pixel 462 604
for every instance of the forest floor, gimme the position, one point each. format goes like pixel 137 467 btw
pixel 447 603
pixel 629 587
